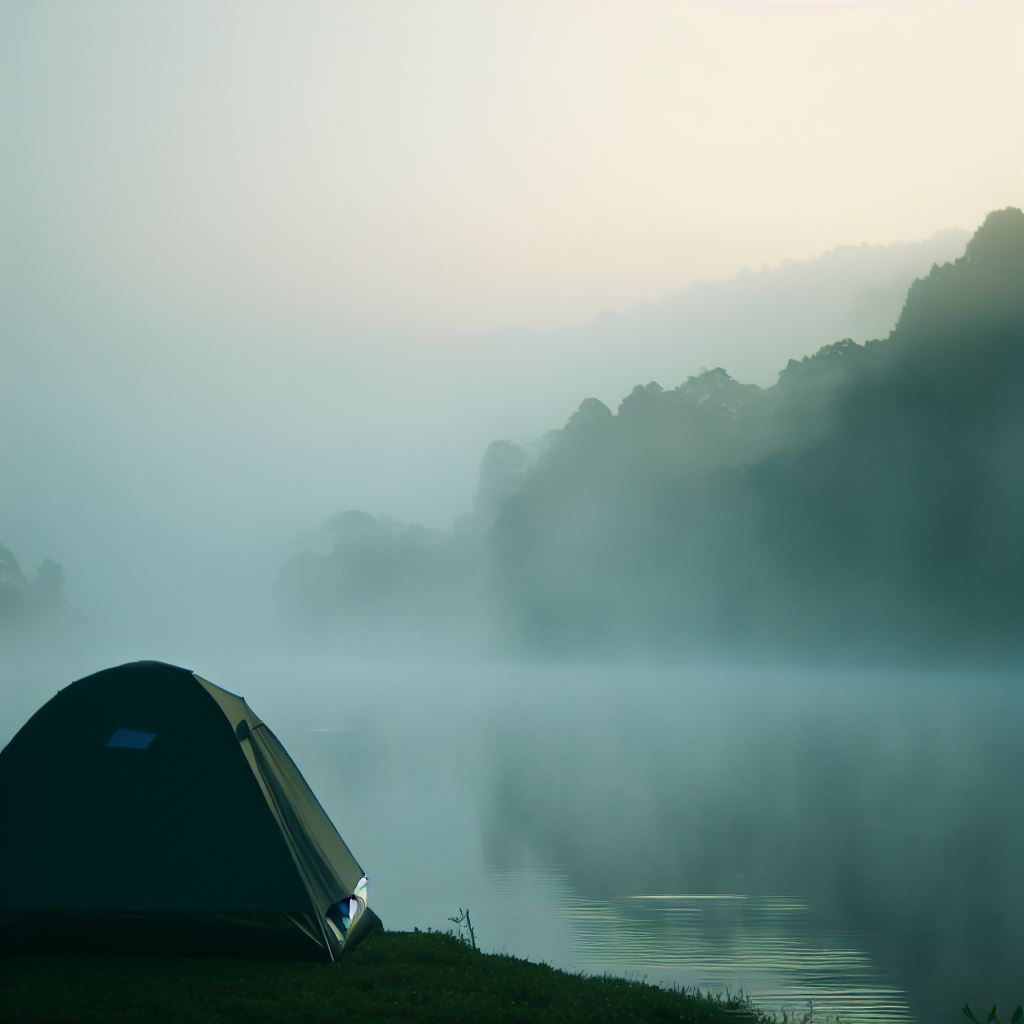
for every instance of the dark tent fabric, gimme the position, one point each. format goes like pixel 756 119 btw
pixel 145 807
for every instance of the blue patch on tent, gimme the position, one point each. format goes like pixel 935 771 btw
pixel 131 739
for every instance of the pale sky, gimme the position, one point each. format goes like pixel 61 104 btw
pixel 462 166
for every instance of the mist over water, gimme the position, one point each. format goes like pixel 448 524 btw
pixel 848 839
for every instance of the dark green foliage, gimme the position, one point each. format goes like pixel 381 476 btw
pixel 869 504
pixel 390 977
pixel 993 1015
pixel 464 930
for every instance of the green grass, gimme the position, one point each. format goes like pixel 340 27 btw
pixel 395 976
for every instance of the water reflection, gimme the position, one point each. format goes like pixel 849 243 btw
pixel 776 949
pixel 890 805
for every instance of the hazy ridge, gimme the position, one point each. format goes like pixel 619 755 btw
pixel 167 463
pixel 866 505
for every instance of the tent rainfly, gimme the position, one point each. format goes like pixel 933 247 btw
pixel 144 807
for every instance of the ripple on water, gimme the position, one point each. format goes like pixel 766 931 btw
pixel 779 950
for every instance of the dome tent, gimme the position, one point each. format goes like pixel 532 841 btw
pixel 144 807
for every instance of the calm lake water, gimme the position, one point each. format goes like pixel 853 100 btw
pixel 848 842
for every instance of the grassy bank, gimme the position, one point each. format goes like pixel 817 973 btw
pixel 397 976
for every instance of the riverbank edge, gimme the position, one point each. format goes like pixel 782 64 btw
pixel 392 976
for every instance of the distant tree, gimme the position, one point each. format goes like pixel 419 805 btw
pixel 36 601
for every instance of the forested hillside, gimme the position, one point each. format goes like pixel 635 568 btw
pixel 869 504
